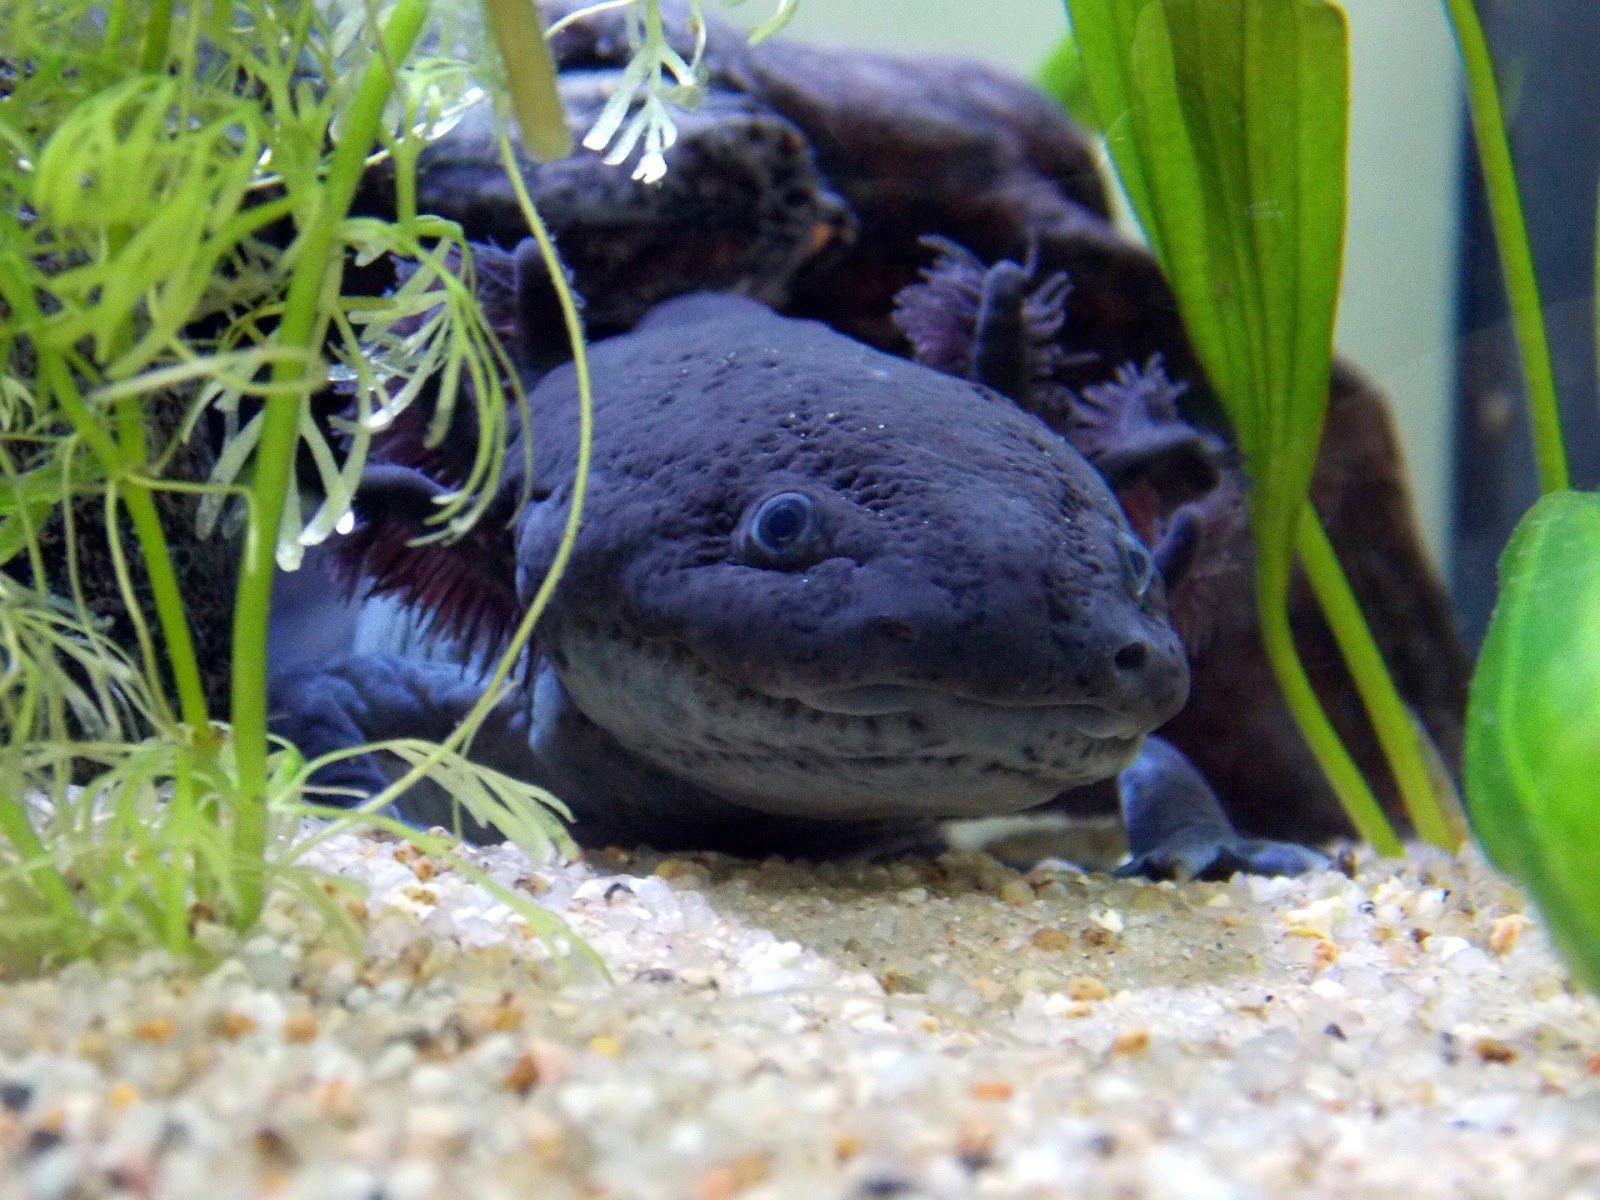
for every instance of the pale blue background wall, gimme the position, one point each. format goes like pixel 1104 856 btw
pixel 1397 316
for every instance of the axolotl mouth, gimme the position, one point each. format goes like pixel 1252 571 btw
pixel 856 752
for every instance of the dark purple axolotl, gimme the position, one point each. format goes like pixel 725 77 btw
pixel 809 178
pixel 822 597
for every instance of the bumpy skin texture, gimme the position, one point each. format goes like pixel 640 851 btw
pixel 958 622
pixel 744 208
pixel 963 540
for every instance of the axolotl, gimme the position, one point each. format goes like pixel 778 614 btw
pixel 821 598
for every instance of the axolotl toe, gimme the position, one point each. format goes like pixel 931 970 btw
pixel 820 595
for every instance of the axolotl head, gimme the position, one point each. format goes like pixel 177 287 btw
pixel 821 581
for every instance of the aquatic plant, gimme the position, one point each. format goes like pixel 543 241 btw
pixel 174 233
pixel 1226 120
pixel 1533 714
pixel 1227 123
pixel 657 79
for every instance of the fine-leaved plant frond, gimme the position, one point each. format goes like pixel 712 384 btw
pixel 177 188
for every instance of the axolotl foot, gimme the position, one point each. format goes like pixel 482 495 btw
pixel 1177 829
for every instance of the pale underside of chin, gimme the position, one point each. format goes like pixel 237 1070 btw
pixel 953 786
pixel 866 754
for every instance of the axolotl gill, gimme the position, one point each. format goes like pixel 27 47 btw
pixel 821 598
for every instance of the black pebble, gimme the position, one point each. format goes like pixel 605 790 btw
pixel 14 1097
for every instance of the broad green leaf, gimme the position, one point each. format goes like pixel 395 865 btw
pixel 1103 31
pixel 1533 721
pixel 1227 122
pixel 1061 75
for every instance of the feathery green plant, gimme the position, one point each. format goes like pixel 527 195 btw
pixel 658 78
pixel 175 191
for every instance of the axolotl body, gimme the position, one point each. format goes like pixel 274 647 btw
pixel 821 597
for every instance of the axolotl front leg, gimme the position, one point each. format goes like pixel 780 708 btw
pixel 1177 828
pixel 998 325
pixel 365 698
pixel 532 734
pixel 1176 825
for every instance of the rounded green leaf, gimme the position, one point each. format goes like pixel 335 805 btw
pixel 1533 722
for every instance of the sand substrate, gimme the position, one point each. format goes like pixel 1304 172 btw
pixel 775 1030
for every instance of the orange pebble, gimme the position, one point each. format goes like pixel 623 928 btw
pixel 1050 938
pixel 846 1146
pixel 1494 1050
pixel 524 1073
pixel 1086 987
pixel 235 1024
pixel 1131 1041
pixel 156 1029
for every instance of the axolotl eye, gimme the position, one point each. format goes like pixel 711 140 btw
pixel 1138 568
pixel 783 530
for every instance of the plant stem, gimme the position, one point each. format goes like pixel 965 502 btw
pixel 54 375
pixel 157 34
pixel 1343 774
pixel 318 265
pixel 530 74
pixel 116 23
pixel 52 885
pixel 1397 730
pixel 115 460
pixel 491 692
pixel 1511 236
pixel 164 589
pixel 580 366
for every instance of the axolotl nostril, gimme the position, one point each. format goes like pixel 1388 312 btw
pixel 821 596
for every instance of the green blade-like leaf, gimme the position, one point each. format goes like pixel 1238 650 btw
pixel 1211 84
pixel 1061 75
pixel 1533 721
pixel 1103 30
pixel 1227 121
pixel 1320 194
